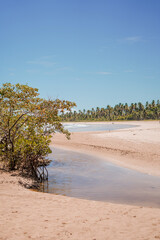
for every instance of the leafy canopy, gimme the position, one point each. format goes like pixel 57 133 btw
pixel 26 124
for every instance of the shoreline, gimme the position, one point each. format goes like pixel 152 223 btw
pixel 136 148
pixel 26 214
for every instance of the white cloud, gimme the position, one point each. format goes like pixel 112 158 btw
pixel 11 74
pixel 131 39
pixel 104 73
pixel 11 69
pixel 42 63
pixel 134 39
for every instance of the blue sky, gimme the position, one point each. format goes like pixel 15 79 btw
pixel 93 52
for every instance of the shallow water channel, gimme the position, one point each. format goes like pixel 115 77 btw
pixel 94 127
pixel 83 176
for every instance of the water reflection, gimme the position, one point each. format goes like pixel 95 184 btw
pixel 83 176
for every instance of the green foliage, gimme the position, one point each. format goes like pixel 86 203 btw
pixel 26 125
pixel 136 111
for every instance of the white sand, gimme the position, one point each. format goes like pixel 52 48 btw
pixel 137 148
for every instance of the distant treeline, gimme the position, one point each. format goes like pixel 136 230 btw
pixel 136 111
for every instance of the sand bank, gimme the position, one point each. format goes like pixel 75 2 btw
pixel 25 214
pixel 137 148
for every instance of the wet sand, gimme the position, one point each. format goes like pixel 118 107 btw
pixel 25 214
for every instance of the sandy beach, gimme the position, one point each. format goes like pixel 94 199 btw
pixel 26 214
pixel 137 147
